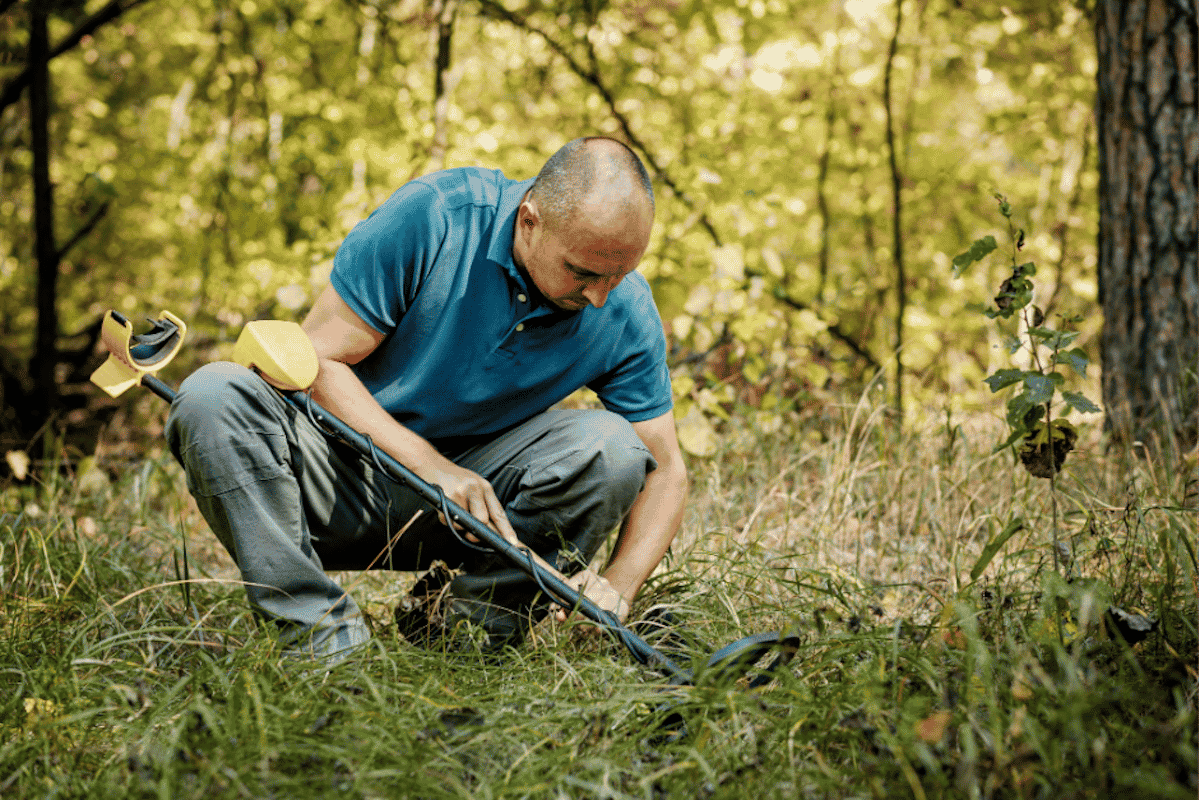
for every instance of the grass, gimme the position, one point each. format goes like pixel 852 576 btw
pixel 914 679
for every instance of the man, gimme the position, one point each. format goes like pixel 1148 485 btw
pixel 457 314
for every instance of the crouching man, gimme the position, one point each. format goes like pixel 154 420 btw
pixel 457 314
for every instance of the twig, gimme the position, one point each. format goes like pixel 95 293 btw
pixel 835 331
pixel 87 228
pixel 591 75
pixel 115 8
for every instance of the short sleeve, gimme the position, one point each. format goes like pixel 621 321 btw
pixel 638 387
pixel 382 263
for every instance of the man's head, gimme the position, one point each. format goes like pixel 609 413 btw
pixel 585 223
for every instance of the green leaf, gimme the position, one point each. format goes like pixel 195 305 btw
pixel 979 250
pixel 1064 340
pixel 1027 269
pixel 1075 359
pixel 1012 343
pixel 1003 378
pixel 1017 433
pixel 1018 407
pixel 993 547
pixel 1039 388
pixel 1080 403
pixel 1056 340
pixel 1005 208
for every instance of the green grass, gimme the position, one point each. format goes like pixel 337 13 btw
pixel 913 679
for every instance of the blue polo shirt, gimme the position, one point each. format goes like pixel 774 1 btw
pixel 471 348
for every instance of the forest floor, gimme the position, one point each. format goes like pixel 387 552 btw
pixel 945 650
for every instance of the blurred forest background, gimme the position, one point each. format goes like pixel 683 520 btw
pixel 818 165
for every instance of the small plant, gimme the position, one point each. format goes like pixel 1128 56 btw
pixel 1045 441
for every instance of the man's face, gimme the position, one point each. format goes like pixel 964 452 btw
pixel 579 263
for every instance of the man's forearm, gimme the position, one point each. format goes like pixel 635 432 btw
pixel 648 529
pixel 340 391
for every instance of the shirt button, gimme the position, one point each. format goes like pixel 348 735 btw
pixel 520 327
pixel 521 298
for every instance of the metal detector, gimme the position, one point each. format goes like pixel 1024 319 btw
pixel 283 353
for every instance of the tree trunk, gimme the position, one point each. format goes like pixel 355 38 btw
pixel 45 353
pixel 1147 124
pixel 897 223
pixel 444 11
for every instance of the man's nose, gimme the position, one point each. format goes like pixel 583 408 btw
pixel 597 292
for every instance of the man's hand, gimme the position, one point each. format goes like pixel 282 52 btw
pixel 597 589
pixel 473 493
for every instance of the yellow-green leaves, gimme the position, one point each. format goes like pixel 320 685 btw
pixel 696 433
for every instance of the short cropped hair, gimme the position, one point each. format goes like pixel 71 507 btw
pixel 571 173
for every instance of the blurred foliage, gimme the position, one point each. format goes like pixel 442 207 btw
pixel 239 142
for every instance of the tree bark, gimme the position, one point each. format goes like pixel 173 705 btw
pixel 1147 266
pixel 45 353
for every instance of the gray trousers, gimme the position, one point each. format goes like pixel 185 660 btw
pixel 288 503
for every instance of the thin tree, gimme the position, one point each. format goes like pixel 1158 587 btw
pixel 45 351
pixel 897 218
pixel 34 398
pixel 443 11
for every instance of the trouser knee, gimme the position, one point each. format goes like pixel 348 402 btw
pixel 216 395
pixel 226 428
pixel 615 460
pixel 583 491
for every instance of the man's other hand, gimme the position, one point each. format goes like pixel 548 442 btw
pixel 596 588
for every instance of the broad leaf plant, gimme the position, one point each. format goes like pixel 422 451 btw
pixel 1044 440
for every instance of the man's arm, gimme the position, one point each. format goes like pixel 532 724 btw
pixel 650 525
pixel 654 519
pixel 341 339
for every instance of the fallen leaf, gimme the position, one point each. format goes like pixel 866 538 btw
pixel 39 710
pixel 1021 690
pixel 933 728
pixel 954 637
pixel 92 479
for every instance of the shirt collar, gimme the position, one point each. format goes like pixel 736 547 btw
pixel 500 249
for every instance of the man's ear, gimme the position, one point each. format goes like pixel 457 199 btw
pixel 527 213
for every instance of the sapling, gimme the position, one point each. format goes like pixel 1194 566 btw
pixel 1043 440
